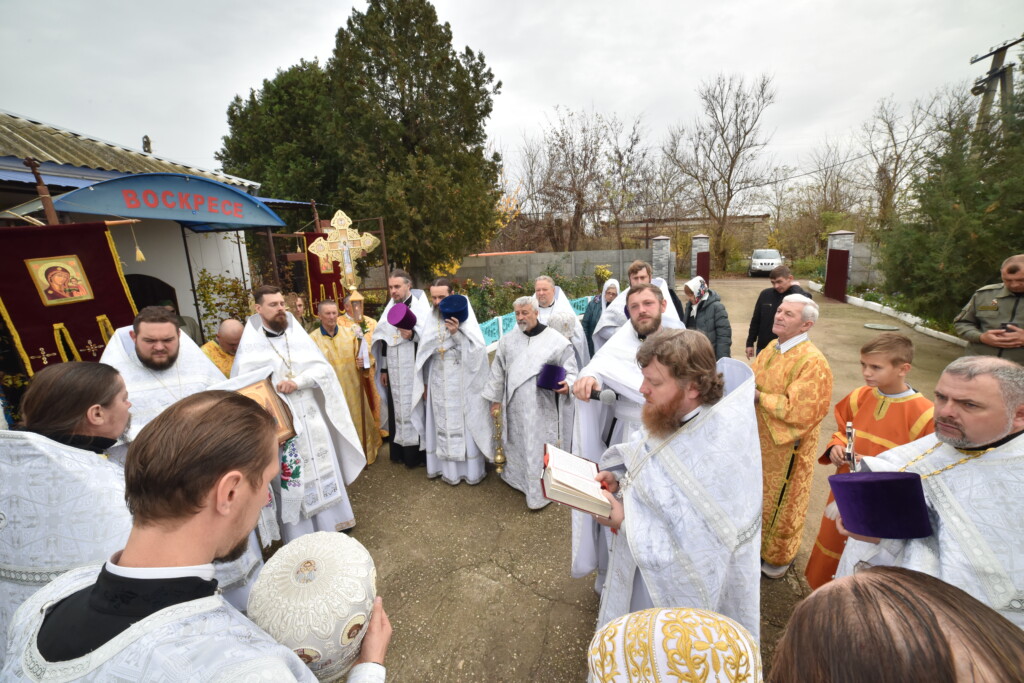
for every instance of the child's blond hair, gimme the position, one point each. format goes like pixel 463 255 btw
pixel 897 347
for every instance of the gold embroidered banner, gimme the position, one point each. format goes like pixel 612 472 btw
pixel 62 292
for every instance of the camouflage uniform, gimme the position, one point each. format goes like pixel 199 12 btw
pixel 988 309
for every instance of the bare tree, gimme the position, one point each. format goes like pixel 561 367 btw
pixel 720 151
pixel 895 142
pixel 832 180
pixel 626 160
pixel 573 174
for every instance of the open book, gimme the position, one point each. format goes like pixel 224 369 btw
pixel 569 479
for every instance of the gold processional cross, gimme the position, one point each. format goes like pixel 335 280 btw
pixel 344 244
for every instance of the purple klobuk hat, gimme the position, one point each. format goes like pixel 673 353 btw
pixel 454 306
pixel 882 504
pixel 549 376
pixel 402 317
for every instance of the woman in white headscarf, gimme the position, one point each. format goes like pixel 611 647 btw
pixel 596 307
pixel 706 312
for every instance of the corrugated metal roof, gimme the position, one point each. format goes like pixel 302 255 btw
pixel 50 180
pixel 22 137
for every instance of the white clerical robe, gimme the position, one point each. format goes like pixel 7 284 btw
pixel 152 391
pixel 400 362
pixel 458 427
pixel 199 640
pixel 532 416
pixel 977 515
pixel 326 451
pixel 579 337
pixel 60 507
pixel 692 504
pixel 599 426
pixel 614 315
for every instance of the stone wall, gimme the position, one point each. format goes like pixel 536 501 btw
pixel 865 265
pixel 526 267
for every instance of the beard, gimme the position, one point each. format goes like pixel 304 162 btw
pixel 646 328
pixel 164 364
pixel 279 323
pixel 236 552
pixel 660 421
pixel 124 438
pixel 963 442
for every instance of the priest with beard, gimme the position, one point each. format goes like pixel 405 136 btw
pixel 534 415
pixel 451 366
pixel 62 499
pixel 686 489
pixel 615 315
pixel 972 473
pixel 195 482
pixel 394 351
pixel 161 366
pixel 599 425
pixel 325 456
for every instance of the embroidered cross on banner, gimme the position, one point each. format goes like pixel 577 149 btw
pixel 91 347
pixel 43 355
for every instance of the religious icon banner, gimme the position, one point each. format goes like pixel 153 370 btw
pixel 323 274
pixel 62 292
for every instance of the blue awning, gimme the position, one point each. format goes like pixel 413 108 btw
pixel 200 204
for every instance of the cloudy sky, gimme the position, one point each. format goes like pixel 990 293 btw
pixel 119 70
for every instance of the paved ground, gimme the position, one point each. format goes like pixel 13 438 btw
pixel 477 586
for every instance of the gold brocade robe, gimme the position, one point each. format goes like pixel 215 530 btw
pixel 796 390
pixel 341 352
pixel 221 358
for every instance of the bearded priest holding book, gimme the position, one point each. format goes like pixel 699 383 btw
pixel 686 490
pixel 325 456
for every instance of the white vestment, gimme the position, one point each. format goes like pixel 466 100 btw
pixel 457 425
pixel 599 426
pixel 199 640
pixel 60 508
pixel 400 362
pixel 614 315
pixel 977 515
pixel 152 391
pixel 532 416
pixel 326 449
pixel 692 504
pixel 579 337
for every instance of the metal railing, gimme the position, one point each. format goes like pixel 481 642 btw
pixel 496 328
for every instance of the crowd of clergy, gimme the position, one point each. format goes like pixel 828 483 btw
pixel 705 461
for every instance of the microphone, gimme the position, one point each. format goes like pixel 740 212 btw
pixel 605 396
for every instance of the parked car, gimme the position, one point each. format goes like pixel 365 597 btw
pixel 764 261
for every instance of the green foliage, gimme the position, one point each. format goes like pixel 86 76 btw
pixel 392 126
pixel 573 287
pixel 809 266
pixel 220 297
pixel 970 217
pixel 490 299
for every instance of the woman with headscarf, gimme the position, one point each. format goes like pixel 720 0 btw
pixel 706 312
pixel 596 307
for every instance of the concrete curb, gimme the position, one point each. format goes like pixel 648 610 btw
pixel 911 320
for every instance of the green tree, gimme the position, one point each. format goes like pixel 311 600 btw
pixel 409 117
pixel 970 213
pixel 393 125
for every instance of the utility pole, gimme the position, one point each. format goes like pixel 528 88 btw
pixel 999 77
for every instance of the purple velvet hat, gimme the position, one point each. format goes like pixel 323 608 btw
pixel 549 376
pixel 454 306
pixel 402 317
pixel 882 504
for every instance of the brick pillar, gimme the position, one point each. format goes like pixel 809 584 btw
pixel 700 257
pixel 663 259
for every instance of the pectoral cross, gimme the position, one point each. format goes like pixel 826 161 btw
pixel 394 338
pixel 441 351
pixel 43 355
pixel 91 348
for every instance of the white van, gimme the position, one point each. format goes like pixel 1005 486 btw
pixel 764 261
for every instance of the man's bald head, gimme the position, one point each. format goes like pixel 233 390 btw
pixel 1012 272
pixel 229 334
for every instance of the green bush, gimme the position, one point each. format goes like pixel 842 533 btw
pixel 809 266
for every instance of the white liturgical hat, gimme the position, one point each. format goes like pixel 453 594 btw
pixel 315 596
